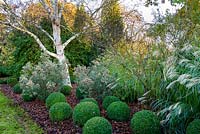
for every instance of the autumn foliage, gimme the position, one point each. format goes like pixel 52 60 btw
pixel 35 12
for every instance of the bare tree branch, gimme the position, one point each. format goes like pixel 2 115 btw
pixel 44 31
pixel 70 39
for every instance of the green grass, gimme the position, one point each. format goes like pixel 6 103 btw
pixel 13 120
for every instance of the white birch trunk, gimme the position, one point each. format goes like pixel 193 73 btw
pixel 60 50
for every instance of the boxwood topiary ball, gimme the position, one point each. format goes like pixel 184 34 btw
pixel 193 127
pixel 97 125
pixel 108 100
pixel 118 111
pixel 17 89
pixel 66 90
pixel 145 122
pixel 85 111
pixel 89 100
pixel 60 111
pixel 54 98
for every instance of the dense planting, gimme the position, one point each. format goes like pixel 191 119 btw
pixel 107 60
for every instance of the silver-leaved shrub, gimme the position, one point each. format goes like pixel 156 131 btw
pixel 95 81
pixel 42 79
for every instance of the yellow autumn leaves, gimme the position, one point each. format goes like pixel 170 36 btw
pixel 36 12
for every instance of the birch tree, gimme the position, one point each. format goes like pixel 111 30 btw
pixel 54 9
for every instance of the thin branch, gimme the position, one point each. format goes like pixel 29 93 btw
pixel 70 39
pixel 44 31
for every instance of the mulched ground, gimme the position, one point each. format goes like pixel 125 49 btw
pixel 38 111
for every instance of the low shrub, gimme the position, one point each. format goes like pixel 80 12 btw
pixel 193 127
pixel 66 90
pixel 3 81
pixel 79 94
pixel 118 111
pixel 42 94
pixel 12 81
pixel 27 96
pixel 108 100
pixel 46 75
pixel 60 111
pixel 54 98
pixel 29 91
pixel 97 125
pixel 85 111
pixel 17 89
pixel 89 100
pixel 145 122
pixel 95 81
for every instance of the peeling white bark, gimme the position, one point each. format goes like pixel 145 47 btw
pixel 58 43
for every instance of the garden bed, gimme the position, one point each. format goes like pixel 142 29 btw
pixel 39 113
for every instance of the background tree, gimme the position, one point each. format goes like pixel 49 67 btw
pixel 5 49
pixel 80 19
pixel 180 28
pixel 69 14
pixel 133 24
pixel 112 25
